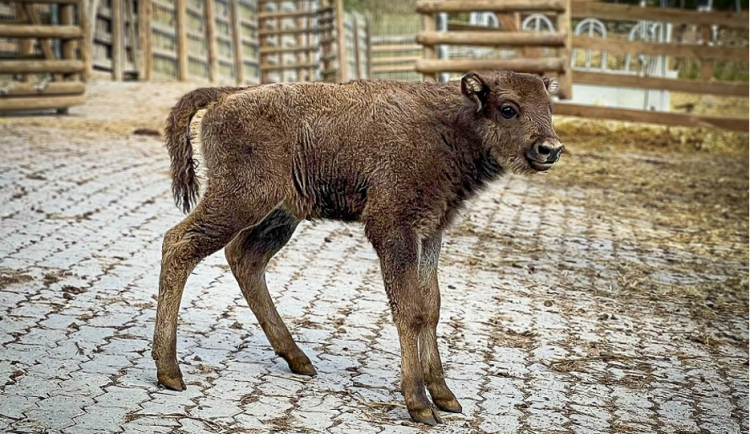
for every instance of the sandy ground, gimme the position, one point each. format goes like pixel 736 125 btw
pixel 608 296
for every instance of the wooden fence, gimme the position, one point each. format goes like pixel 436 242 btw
pixel 44 49
pixel 394 57
pixel 561 40
pixel 707 54
pixel 564 11
pixel 229 41
pixel 288 41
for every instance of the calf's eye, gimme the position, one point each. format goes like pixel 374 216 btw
pixel 507 111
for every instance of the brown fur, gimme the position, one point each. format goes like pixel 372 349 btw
pixel 401 158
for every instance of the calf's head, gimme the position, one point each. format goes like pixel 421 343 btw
pixel 513 116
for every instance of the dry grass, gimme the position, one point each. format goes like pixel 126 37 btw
pixel 691 184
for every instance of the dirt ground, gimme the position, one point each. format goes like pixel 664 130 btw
pixel 608 295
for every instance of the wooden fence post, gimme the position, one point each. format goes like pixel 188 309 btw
pixel 429 25
pixel 213 60
pixel 145 9
pixel 84 45
pixel 565 78
pixel 343 74
pixel 237 40
pixel 182 47
pixel 355 31
pixel 117 41
pixel 68 49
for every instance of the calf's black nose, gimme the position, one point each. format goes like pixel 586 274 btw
pixel 547 151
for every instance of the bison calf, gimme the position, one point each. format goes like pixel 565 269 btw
pixel 401 158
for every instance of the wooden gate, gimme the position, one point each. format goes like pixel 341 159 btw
pixel 46 47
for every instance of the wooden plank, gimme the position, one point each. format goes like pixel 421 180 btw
pixel 433 6
pixel 290 14
pixel 287 66
pixel 213 60
pixel 39 66
pixel 234 13
pixel 661 49
pixel 182 42
pixel 565 77
pixel 274 50
pixel 492 38
pixel 41 103
pixel 52 88
pixel 688 86
pixel 387 48
pixel 609 11
pixel 117 41
pixel 398 59
pixel 551 64
pixel 664 118
pixel 145 10
pixel 41 31
pixel 275 32
pixel 343 75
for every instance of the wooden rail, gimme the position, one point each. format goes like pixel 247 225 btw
pixel 657 83
pixel 540 65
pixel 661 49
pixel 492 38
pixel 433 6
pixel 40 31
pixel 41 103
pixel 664 118
pixel 40 66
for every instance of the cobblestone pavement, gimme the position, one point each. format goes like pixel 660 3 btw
pixel 544 328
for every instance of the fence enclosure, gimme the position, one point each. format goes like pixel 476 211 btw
pixel 562 46
pixel 706 52
pixel 42 45
pixel 430 66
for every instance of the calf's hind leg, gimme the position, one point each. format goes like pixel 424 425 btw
pixel 207 229
pixel 248 254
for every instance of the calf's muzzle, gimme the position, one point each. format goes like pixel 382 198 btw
pixel 544 153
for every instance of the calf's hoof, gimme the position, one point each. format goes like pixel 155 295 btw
pixel 426 415
pixel 301 365
pixel 169 376
pixel 450 404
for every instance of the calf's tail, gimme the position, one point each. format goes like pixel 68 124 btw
pixel 185 186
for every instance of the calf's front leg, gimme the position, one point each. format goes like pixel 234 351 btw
pixel 399 261
pixel 429 356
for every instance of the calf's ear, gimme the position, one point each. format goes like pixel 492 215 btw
pixel 474 88
pixel 551 84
